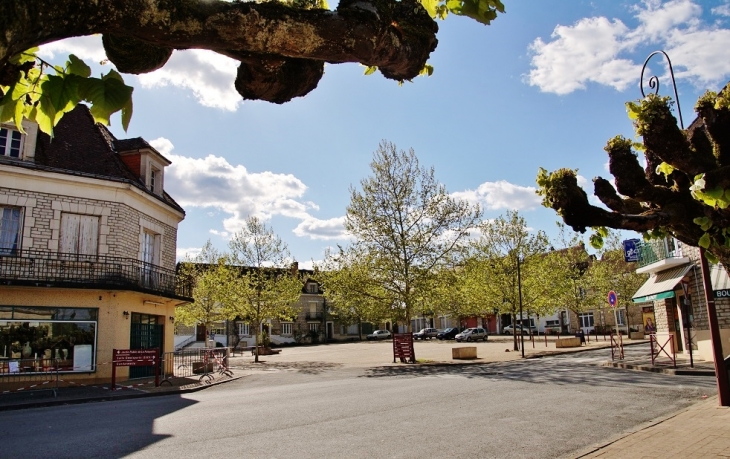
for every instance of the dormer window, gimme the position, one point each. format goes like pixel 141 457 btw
pixel 154 180
pixel 11 143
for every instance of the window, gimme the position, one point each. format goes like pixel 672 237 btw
pixel 150 257
pixel 621 316
pixel 9 230
pixel 243 329
pixel 286 329
pixel 586 319
pixel 314 327
pixel 154 180
pixel 312 287
pixel 11 142
pixel 34 339
pixel 552 323
pixel 79 234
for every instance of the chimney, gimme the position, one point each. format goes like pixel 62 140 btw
pixel 295 269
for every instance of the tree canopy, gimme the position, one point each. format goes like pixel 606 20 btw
pixel 281 46
pixel 684 190
pixel 405 227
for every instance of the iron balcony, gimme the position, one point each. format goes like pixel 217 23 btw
pixel 50 269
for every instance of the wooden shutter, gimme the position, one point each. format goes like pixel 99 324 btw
pixel 79 234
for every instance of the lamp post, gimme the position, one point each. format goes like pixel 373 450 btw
pixel 519 295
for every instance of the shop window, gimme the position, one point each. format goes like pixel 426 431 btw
pixel 35 339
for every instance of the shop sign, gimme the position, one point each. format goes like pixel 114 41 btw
pixel 631 251
pixel 724 293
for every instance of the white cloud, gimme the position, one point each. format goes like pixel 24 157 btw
pixel 184 253
pixel 87 48
pixel 314 228
pixel 214 182
pixel 502 195
pixel 209 75
pixel 599 50
pixel 722 10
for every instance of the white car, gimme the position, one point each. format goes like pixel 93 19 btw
pixel 378 335
pixel 472 334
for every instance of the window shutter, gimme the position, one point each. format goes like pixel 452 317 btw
pixel 69 233
pixel 88 235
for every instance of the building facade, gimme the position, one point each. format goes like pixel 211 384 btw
pixel 87 249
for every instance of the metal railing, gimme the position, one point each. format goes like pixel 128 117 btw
pixel 27 375
pixel 658 349
pixel 653 251
pixel 50 269
pixel 189 363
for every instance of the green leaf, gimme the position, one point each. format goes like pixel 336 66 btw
pixel 26 56
pixel 484 11
pixel 426 70
pixel 76 66
pixel 596 241
pixel 370 69
pixel 711 257
pixel 705 241
pixel 107 95
pixel 430 6
pixel 703 222
pixel 126 114
pixel 664 168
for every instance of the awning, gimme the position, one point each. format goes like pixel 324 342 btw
pixel 720 281
pixel 661 285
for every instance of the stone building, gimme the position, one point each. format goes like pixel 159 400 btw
pixel 87 249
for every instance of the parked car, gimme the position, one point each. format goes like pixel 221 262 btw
pixel 426 333
pixel 472 334
pixel 511 330
pixel 449 333
pixel 378 335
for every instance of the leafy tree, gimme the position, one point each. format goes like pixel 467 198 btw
pixel 263 287
pixel 352 295
pixel 684 190
pixel 508 260
pixel 611 272
pixel 281 46
pixel 211 275
pixel 570 281
pixel 407 226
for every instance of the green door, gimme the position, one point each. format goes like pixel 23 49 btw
pixel 146 333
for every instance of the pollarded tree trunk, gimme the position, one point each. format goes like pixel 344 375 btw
pixel 282 50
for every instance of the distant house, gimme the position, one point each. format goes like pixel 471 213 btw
pixel 87 248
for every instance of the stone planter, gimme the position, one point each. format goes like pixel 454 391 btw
pixel 464 353
pixel 567 342
pixel 636 335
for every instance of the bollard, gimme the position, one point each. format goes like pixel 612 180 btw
pixel 546 344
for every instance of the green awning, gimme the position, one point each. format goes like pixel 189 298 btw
pixel 661 285
pixel 656 296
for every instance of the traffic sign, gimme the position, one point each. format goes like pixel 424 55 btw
pixel 612 299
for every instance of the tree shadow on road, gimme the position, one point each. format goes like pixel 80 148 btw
pixel 311 368
pixel 542 371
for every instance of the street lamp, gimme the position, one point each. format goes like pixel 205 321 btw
pixel 519 294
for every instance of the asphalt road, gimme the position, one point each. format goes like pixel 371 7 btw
pixel 549 407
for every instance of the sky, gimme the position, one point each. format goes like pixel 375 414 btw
pixel 543 86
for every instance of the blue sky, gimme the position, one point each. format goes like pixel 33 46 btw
pixel 543 86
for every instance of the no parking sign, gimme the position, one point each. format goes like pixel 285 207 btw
pixel 612 300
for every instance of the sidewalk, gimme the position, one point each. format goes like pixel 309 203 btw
pixel 702 430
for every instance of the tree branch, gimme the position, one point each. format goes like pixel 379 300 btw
pixel 396 36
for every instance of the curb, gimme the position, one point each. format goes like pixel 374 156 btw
pixel 109 398
pixel 668 371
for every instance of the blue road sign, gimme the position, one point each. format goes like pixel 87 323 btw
pixel 612 299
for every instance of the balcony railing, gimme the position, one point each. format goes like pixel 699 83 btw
pixel 314 316
pixel 658 250
pixel 49 269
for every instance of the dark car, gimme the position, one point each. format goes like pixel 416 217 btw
pixel 426 333
pixel 449 333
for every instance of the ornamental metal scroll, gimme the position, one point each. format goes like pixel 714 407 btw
pixel 654 82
